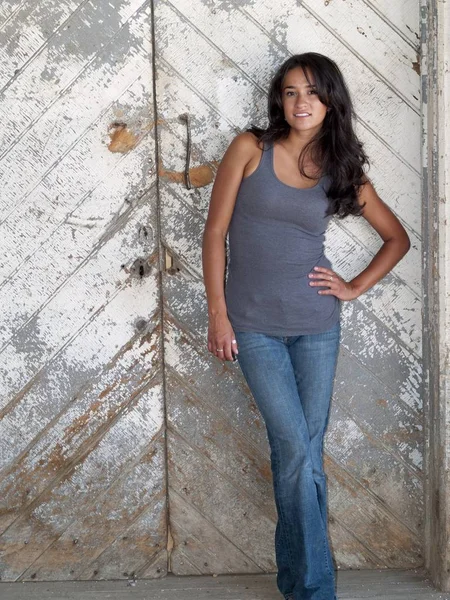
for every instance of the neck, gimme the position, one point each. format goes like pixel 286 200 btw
pixel 294 144
pixel 297 140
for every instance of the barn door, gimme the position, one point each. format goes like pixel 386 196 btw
pixel 213 64
pixel 82 474
pixel 89 370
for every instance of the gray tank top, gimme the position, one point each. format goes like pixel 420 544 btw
pixel 276 237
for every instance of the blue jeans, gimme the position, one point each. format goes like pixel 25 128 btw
pixel 291 379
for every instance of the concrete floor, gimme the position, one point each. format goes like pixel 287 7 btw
pixel 389 584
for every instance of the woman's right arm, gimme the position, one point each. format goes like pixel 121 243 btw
pixel 223 198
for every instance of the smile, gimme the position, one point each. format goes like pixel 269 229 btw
pixel 302 115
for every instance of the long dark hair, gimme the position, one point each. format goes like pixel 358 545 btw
pixel 335 148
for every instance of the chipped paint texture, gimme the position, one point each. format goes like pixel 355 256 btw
pixel 84 391
pixel 82 442
pixel 436 281
pixel 220 492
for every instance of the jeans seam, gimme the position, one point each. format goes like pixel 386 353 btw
pixel 325 544
pixel 283 529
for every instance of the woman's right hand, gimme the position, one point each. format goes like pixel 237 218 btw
pixel 221 340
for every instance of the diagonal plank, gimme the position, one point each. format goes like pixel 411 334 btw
pixel 82 385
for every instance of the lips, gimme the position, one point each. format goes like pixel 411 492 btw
pixel 302 115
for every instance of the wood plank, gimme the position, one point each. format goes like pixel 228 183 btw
pixel 69 55
pixel 28 30
pixel 78 491
pixel 52 145
pixel 8 9
pixel 369 520
pixel 80 416
pixel 92 286
pixel 195 418
pixel 199 544
pixel 385 584
pixel 233 514
pixel 137 490
pixel 56 267
pixel 389 300
pixel 402 15
pixel 140 551
pixel 386 479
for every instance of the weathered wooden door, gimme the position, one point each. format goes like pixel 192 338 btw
pixel 213 64
pixel 82 432
pixel 126 449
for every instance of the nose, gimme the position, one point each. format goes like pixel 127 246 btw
pixel 301 100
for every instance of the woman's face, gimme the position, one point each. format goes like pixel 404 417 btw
pixel 302 108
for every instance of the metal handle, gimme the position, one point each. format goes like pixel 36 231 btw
pixel 187 180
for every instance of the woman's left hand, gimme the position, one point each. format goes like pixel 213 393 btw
pixel 321 276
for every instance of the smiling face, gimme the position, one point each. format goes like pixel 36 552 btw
pixel 302 108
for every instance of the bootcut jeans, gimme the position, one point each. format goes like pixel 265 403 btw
pixel 291 379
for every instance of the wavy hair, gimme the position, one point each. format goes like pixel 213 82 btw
pixel 335 148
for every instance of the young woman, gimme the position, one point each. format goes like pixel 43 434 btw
pixel 279 313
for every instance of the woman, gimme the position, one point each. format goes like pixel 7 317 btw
pixel 275 191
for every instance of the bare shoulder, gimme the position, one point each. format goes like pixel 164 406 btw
pixel 244 153
pixel 367 192
pixel 245 146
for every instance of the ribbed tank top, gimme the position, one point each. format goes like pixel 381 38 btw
pixel 276 237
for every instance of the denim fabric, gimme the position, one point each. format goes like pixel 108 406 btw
pixel 291 379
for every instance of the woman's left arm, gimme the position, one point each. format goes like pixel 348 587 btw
pixel 396 240
pixel 396 245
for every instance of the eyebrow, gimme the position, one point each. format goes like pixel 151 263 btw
pixel 293 86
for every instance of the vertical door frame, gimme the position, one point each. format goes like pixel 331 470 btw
pixel 435 75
